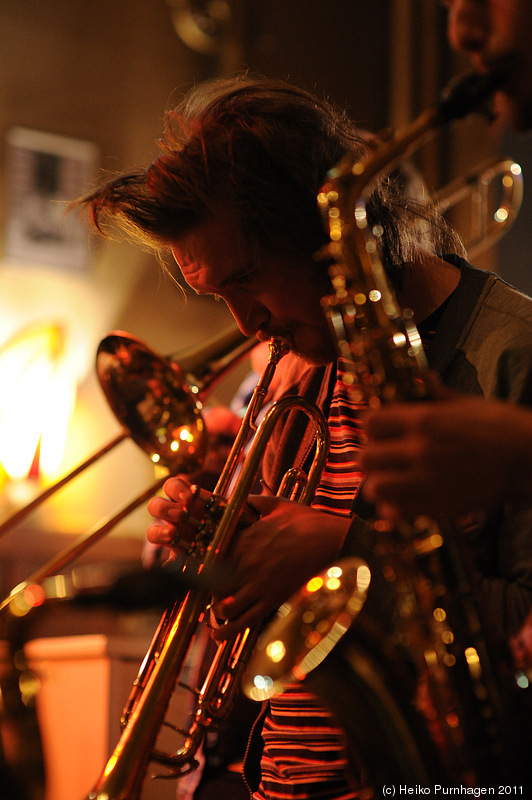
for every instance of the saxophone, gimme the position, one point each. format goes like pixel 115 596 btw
pixel 432 703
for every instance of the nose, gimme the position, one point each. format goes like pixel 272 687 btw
pixel 468 24
pixel 250 315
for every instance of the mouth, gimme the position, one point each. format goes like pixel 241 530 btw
pixel 496 75
pixel 503 70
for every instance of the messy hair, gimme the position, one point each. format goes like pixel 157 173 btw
pixel 262 148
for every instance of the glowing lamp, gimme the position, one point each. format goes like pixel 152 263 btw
pixel 36 401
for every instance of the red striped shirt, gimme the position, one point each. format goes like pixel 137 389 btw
pixel 304 754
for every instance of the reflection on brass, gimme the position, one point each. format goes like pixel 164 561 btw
pixel 306 628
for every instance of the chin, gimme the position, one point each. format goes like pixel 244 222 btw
pixel 523 118
pixel 314 345
pixel 318 358
pixel 516 111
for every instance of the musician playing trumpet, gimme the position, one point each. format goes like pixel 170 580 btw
pixel 233 197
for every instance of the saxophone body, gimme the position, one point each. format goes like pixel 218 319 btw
pixel 459 682
pixel 430 703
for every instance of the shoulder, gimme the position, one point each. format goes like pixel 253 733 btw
pixel 494 292
pixel 485 337
pixel 502 339
pixel 506 300
pixel 495 307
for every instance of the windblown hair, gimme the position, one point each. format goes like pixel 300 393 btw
pixel 262 148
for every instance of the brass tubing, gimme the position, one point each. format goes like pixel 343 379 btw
pixel 22 513
pixel 124 773
pixel 83 543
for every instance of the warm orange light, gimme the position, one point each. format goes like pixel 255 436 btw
pixel 276 651
pixel 314 584
pixel 36 400
pixel 34 595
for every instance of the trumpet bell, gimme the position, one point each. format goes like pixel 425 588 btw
pixel 148 395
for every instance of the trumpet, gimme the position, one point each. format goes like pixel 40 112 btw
pixel 124 773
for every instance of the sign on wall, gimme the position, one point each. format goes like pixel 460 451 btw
pixel 44 172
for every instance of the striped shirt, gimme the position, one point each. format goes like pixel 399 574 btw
pixel 304 754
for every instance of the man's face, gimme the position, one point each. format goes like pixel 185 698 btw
pixel 498 34
pixel 278 296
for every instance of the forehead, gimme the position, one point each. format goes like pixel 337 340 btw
pixel 210 253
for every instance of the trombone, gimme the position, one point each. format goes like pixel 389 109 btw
pixel 145 711
pixel 158 401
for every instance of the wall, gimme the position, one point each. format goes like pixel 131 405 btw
pixel 101 72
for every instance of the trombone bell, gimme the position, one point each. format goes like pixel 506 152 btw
pixel 147 394
pixel 157 402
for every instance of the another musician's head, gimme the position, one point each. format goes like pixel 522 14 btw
pixel 497 35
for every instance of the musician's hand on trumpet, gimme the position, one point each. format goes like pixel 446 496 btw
pixel 271 558
pixel 177 515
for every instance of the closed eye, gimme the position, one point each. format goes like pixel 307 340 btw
pixel 243 278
